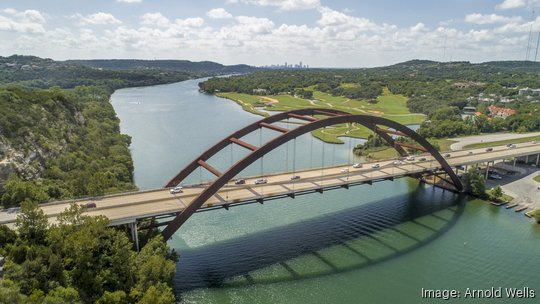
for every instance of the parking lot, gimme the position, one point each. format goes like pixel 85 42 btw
pixel 518 184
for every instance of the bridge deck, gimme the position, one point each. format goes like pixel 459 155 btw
pixel 126 208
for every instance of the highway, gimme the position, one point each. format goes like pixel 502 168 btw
pixel 129 207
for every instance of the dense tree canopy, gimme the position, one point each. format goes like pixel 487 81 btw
pixel 81 260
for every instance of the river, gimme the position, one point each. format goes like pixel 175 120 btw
pixel 369 244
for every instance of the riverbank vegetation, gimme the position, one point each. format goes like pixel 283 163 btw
pixel 59 135
pixel 80 260
pixel 61 144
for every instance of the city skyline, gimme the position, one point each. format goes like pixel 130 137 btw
pixel 263 32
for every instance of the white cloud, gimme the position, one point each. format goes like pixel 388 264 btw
pixel 218 13
pixel 155 19
pixel 189 22
pixel 513 4
pixel 509 4
pixel 129 1
pixel 287 5
pixel 28 21
pixel 490 19
pixel 97 18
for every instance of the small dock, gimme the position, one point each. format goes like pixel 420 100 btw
pixel 512 205
pixel 521 208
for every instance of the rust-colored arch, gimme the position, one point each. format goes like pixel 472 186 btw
pixel 334 118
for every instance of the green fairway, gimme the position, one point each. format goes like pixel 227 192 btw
pixel 390 106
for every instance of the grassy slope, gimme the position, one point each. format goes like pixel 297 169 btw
pixel 501 142
pixel 537 178
pixel 389 106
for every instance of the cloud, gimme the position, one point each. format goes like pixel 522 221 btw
pixel 286 5
pixel 218 13
pixel 513 4
pixel 155 19
pixel 129 1
pixel 28 21
pixel 477 18
pixel 97 18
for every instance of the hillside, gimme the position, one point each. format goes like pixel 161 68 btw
pixel 205 67
pixel 59 135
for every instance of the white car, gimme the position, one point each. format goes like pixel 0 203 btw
pixel 344 170
pixel 357 165
pixel 375 166
pixel 410 158
pixel 397 162
pixel 261 181
pixel 177 189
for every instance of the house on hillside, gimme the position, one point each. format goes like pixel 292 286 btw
pixel 259 91
pixel 495 111
pixel 528 91
pixel 469 110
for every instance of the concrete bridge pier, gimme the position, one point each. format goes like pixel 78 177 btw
pixel 537 159
pixel 134 234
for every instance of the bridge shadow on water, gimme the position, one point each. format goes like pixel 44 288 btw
pixel 333 243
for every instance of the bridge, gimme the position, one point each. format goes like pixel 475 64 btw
pixel 223 192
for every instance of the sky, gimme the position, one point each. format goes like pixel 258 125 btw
pixel 319 33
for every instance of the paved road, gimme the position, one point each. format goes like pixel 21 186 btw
pixel 127 207
pixel 469 140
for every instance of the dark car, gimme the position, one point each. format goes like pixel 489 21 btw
pixel 240 181
pixel 90 205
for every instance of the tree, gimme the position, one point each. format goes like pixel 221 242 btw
pixel 7 236
pixel 160 293
pixel 497 192
pixel 61 295
pixel 98 258
pixel 153 266
pixel 475 183
pixel 9 293
pixel 31 223
pixel 117 297
pixel 17 190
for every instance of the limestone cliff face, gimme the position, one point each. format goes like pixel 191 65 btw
pixel 27 165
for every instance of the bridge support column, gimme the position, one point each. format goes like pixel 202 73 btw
pixel 134 234
pixel 537 159
pixel 526 159
pixel 487 170
pixel 515 161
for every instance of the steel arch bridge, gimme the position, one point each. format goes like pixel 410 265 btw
pixel 315 119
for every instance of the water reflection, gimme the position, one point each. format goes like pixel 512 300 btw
pixel 332 243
